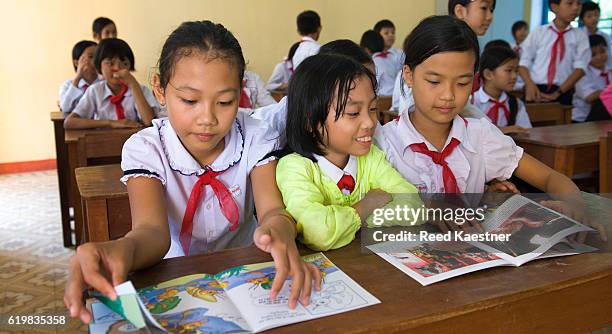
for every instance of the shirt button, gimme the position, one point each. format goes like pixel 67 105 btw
pixel 208 206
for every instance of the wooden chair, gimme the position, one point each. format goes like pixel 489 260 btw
pixel 383 105
pixel 605 163
pixel 542 114
pixel 105 202
pixel 96 149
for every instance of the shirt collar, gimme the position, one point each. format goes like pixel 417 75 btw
pixel 483 97
pixel 182 161
pixel 108 92
pixel 307 39
pixel 409 134
pixel 333 171
pixel 554 27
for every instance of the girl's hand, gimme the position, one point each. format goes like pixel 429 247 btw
pixel 277 237
pixel 497 186
pixel 374 199
pixel 126 77
pixel 100 266
pixel 512 129
pixel 578 214
pixel 532 93
pixel 124 124
pixel 550 97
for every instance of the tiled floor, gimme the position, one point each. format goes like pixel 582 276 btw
pixel 33 260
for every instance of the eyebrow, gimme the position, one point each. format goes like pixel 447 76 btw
pixel 465 75
pixel 189 88
pixel 351 102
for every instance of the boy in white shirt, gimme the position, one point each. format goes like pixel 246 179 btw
pixel 386 29
pixel 373 44
pixel 73 89
pixel 589 17
pixel 309 28
pixel 554 56
pixel 597 77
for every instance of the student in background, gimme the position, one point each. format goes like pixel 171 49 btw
pixel 335 178
pixel 386 29
pixel 195 178
pixel 496 43
pixel 254 93
pixel 589 17
pixel 520 31
pixel 373 43
pixel 309 28
pixel 596 78
pixel 555 56
pixel 478 14
pixel 73 89
pixel 276 114
pixel 118 101
pixel 103 28
pixel 498 70
pixel 282 71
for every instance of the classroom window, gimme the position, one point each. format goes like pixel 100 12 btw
pixel 605 21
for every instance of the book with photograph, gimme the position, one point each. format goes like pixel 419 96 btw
pixel 535 232
pixel 234 300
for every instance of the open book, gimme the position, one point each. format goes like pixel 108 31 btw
pixel 534 232
pixel 234 300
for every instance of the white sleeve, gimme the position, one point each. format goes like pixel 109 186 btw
pixel 275 115
pixel 148 95
pixel 522 118
pixel 585 87
pixel 501 155
pixel 277 78
pixel 583 52
pixel 528 50
pixel 69 96
pixel 263 140
pixel 86 108
pixel 141 158
pixel 397 92
pixel 263 95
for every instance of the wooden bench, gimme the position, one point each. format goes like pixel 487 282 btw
pixel 543 114
pixel 105 202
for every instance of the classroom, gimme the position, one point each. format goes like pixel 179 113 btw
pixel 135 137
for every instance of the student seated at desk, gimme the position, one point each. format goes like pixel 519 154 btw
pixel 597 77
pixel 118 101
pixel 103 28
pixel 373 43
pixel 282 71
pixel 498 70
pixel 386 29
pixel 86 75
pixel 195 178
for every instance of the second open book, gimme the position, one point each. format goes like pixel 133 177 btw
pixel 535 232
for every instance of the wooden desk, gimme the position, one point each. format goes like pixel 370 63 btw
pixel 569 149
pixel 71 138
pixel 542 114
pixel 63 175
pixel 278 94
pixel 568 294
pixel 105 202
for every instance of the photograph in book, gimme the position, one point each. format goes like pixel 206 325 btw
pixel 234 300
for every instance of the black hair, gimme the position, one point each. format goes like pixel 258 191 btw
pixel 556 2
pixel 308 22
pixel 348 48
pixel 596 40
pixel 380 25
pixel 437 34
pixel 207 37
pixel 292 50
pixel 320 84
pixel 79 48
pixel 588 6
pixel 496 43
pixel 518 25
pixel 372 41
pixel 99 24
pixel 113 48
pixel 453 3
pixel 492 58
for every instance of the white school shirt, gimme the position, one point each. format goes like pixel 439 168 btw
pixel 537 48
pixel 256 90
pixel 482 101
pixel 385 73
pixel 69 95
pixel 401 101
pixel 606 37
pixel 308 47
pixel 280 75
pixel 398 57
pixel 275 115
pixel 95 103
pixel 484 154
pixel 335 173
pixel 156 152
pixel 591 82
